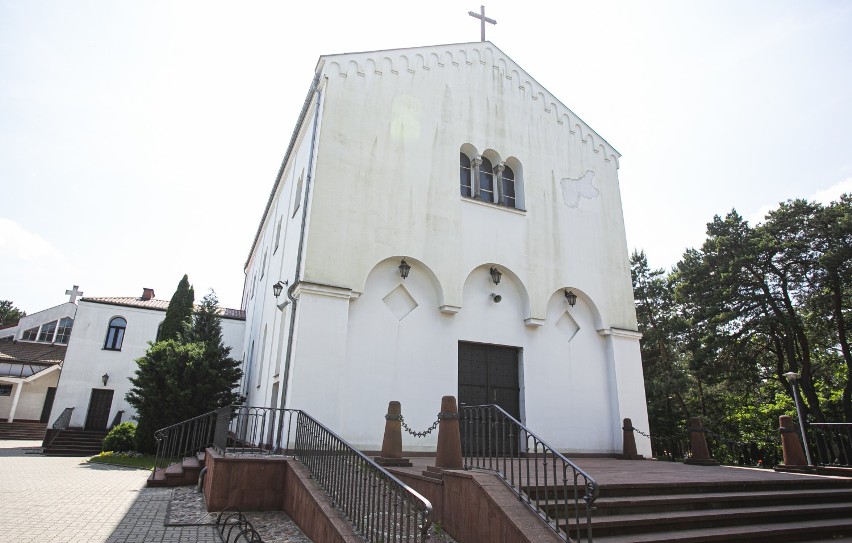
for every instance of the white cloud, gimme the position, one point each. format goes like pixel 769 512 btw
pixel 18 243
pixel 832 193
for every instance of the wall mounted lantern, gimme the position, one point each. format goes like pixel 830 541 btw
pixel 404 268
pixel 571 297
pixel 496 275
pixel 278 287
pixel 105 378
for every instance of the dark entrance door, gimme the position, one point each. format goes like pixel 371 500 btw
pixel 99 405
pixel 488 374
pixel 48 404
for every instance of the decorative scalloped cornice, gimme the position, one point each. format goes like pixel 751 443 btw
pixel 445 57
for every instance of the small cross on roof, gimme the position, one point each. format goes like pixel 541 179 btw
pixel 482 20
pixel 74 293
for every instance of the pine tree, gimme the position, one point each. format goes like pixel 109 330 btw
pixel 179 313
pixel 224 372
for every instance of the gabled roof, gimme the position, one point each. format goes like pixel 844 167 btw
pixel 158 305
pixel 23 352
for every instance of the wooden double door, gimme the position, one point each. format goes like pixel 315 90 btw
pixel 488 374
pixel 97 417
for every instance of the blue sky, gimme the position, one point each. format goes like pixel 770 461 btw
pixel 139 140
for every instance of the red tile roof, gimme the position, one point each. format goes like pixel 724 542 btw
pixel 158 305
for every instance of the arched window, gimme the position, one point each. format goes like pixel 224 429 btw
pixel 507 187
pixel 486 180
pixel 115 334
pixel 465 174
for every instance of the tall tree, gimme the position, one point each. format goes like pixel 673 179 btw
pixel 183 377
pixel 218 389
pixel 179 314
pixel 9 314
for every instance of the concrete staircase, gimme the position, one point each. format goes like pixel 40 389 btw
pixel 178 474
pixel 22 430
pixel 73 442
pixel 813 509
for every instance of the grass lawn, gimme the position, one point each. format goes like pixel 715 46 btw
pixel 144 461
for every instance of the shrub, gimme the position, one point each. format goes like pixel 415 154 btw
pixel 121 438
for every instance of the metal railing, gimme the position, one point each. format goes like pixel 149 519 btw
pixel 380 507
pixel 831 443
pixel 116 420
pixel 61 423
pixel 184 439
pixel 238 527
pixel 763 451
pixel 555 488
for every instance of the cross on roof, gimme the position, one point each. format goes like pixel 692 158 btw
pixel 482 19
pixel 74 293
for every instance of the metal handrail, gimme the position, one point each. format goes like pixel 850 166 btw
pixel 61 423
pixel 831 443
pixel 184 439
pixel 379 506
pixel 63 420
pixel 116 420
pixel 493 439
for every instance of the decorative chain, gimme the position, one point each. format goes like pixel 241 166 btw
pixel 654 438
pixel 417 434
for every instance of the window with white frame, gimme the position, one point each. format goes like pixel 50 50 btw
pixel 63 333
pixel 45 335
pixel 30 335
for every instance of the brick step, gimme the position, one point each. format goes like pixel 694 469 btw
pixel 800 530
pixel 679 521
pixel 180 473
pixel 76 443
pixel 22 430
pixel 695 502
pixel 668 489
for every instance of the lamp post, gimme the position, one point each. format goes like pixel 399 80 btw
pixel 793 377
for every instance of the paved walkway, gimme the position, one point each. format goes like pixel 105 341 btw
pixel 66 500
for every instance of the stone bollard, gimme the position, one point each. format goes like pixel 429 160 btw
pixel 629 442
pixel 391 454
pixel 790 444
pixel 698 444
pixel 449 454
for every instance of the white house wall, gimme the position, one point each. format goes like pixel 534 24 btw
pixel 31 399
pixel 86 360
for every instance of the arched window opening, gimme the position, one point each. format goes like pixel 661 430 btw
pixel 115 334
pixel 507 187
pixel 486 180
pixel 465 174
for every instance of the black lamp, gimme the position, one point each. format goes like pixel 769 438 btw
pixel 571 297
pixel 277 288
pixel 105 378
pixel 404 268
pixel 496 275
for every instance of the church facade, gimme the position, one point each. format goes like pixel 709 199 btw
pixel 442 225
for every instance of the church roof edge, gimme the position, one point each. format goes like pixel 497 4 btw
pixel 157 305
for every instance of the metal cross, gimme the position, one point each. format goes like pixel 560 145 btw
pixel 74 293
pixel 482 19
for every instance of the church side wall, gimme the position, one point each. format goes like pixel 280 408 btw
pixel 264 345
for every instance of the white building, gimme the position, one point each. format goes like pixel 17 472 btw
pixel 109 335
pixel 457 161
pixel 31 355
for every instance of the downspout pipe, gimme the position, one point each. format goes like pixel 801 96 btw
pixel 294 302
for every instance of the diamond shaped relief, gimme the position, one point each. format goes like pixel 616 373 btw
pixel 568 326
pixel 400 302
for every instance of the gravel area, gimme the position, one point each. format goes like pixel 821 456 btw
pixel 187 508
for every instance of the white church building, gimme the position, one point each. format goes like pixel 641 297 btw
pixel 443 225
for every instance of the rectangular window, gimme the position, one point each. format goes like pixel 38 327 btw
pixel 5 390
pixel 64 331
pixel 47 331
